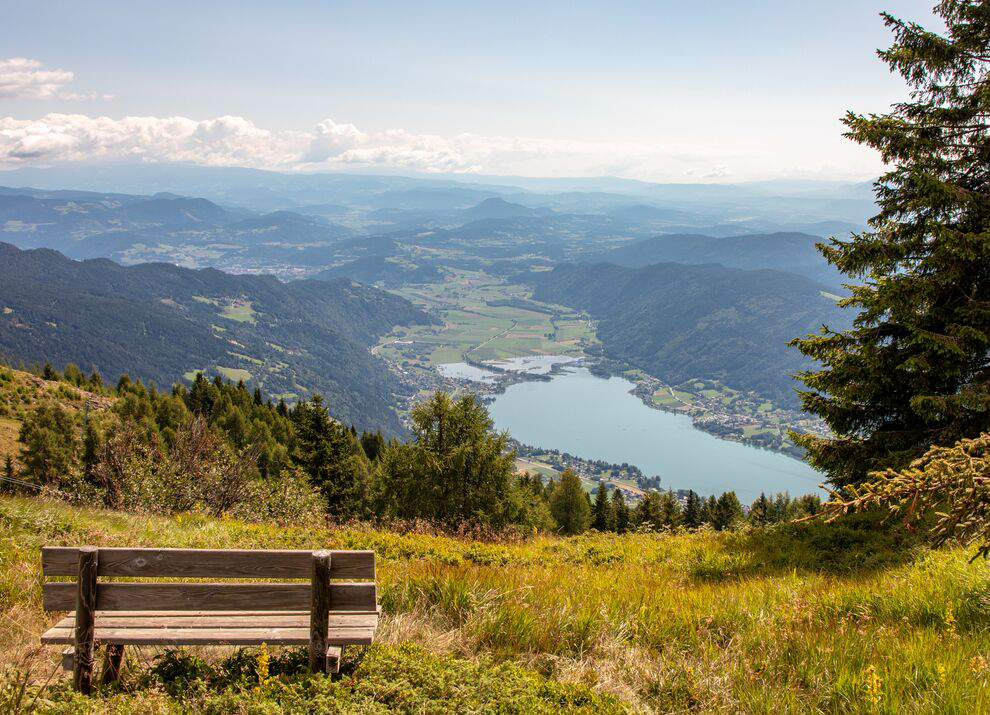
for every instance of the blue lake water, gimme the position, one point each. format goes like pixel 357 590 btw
pixel 596 418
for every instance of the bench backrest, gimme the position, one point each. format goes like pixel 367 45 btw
pixel 58 561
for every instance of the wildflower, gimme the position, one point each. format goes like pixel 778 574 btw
pixel 873 689
pixel 261 663
pixel 950 619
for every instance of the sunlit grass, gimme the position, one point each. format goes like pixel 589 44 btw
pixel 803 620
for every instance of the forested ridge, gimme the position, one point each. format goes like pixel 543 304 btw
pixel 158 321
pixel 678 322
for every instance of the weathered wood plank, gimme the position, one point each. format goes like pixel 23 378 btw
pixel 205 636
pixel 84 641
pixel 155 620
pixel 68 656
pixel 208 563
pixel 210 596
pixel 319 611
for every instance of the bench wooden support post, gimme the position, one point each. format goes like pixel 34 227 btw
pixel 85 635
pixel 319 613
pixel 112 662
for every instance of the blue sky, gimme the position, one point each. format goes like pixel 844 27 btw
pixel 666 91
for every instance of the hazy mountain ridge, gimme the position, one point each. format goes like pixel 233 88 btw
pixel 159 321
pixel 791 252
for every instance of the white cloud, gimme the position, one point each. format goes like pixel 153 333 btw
pixel 236 141
pixel 21 77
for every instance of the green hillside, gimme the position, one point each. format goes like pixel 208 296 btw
pixel 158 322
pixel 796 619
pixel 682 322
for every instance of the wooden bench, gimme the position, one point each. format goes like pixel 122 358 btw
pixel 323 613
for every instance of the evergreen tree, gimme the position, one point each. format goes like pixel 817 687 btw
pixel 604 519
pixel 914 370
pixel 728 512
pixel 709 514
pixel 8 475
pixel 621 510
pixel 457 469
pixel 51 448
pixel 761 512
pixel 693 517
pixel 373 444
pixel 670 510
pixel 201 396
pixel 95 380
pixel 48 373
pixel 92 444
pixel 257 397
pixel 569 505
pixel 326 454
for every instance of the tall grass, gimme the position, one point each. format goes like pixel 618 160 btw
pixel 801 619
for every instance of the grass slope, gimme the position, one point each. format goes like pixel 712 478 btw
pixel 800 620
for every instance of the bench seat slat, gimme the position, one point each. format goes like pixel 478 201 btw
pixel 208 563
pixel 210 596
pixel 154 620
pixel 216 636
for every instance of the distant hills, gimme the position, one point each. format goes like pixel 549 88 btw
pixel 698 321
pixel 159 321
pixel 379 269
pixel 132 229
pixel 792 252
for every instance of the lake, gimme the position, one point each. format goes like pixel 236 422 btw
pixel 597 418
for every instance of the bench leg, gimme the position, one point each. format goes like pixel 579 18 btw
pixel 85 632
pixel 319 612
pixel 334 654
pixel 68 659
pixel 112 661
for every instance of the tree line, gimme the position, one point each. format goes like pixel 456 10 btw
pixel 218 447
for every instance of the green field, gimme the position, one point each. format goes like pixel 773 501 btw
pixel 483 331
pixel 239 310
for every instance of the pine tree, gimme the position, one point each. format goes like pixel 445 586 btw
pixel 92 445
pixel 761 512
pixel 621 510
pixel 257 397
pixel 8 475
pixel 48 373
pixel 604 515
pixel 728 512
pixel 51 447
pixel 325 453
pixel 670 510
pixel 693 517
pixel 914 369
pixel 457 469
pixel 569 505
pixel 709 513
pixel 373 444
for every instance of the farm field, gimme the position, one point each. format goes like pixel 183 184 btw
pixel 484 331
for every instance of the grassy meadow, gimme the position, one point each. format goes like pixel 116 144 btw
pixel 801 619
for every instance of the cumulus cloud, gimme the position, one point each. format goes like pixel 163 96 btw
pixel 21 77
pixel 236 141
